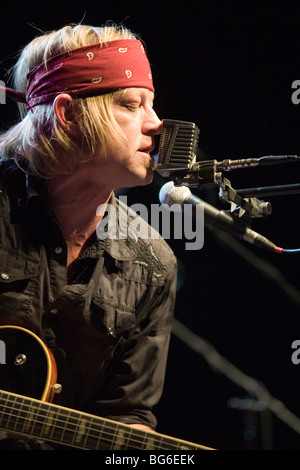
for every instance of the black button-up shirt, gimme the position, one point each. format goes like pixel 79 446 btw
pixel 109 326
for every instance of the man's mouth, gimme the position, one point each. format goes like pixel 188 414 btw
pixel 147 150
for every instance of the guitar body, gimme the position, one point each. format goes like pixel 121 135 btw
pixel 29 367
pixel 27 382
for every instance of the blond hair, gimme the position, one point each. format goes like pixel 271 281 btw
pixel 38 138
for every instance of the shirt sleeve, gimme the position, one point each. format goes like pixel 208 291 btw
pixel 135 376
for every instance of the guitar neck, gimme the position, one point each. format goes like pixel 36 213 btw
pixel 48 422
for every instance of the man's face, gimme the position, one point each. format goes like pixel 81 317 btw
pixel 128 160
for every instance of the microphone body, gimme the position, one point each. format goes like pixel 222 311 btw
pixel 170 194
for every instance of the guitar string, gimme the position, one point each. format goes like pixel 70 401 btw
pixel 103 436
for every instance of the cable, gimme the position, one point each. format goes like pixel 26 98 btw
pixel 279 250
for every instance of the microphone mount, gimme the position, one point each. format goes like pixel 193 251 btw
pixel 206 174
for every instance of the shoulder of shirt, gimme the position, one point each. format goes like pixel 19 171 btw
pixel 11 175
pixel 8 168
pixel 12 181
pixel 152 240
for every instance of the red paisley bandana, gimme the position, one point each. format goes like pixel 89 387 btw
pixel 87 71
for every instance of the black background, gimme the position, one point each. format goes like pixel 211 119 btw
pixel 228 67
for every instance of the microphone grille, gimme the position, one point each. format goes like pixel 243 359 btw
pixel 177 146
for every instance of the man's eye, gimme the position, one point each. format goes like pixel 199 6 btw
pixel 132 107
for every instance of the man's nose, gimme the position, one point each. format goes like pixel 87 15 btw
pixel 153 123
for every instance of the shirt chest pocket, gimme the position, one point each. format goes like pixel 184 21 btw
pixel 115 318
pixel 16 280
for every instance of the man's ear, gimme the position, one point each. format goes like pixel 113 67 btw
pixel 65 113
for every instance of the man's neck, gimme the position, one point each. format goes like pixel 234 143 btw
pixel 74 201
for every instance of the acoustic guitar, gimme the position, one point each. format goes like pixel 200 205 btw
pixel 28 375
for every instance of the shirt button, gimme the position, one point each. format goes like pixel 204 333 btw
pixel 58 250
pixel 5 276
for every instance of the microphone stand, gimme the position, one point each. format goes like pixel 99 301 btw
pixel 219 364
pixel 208 176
